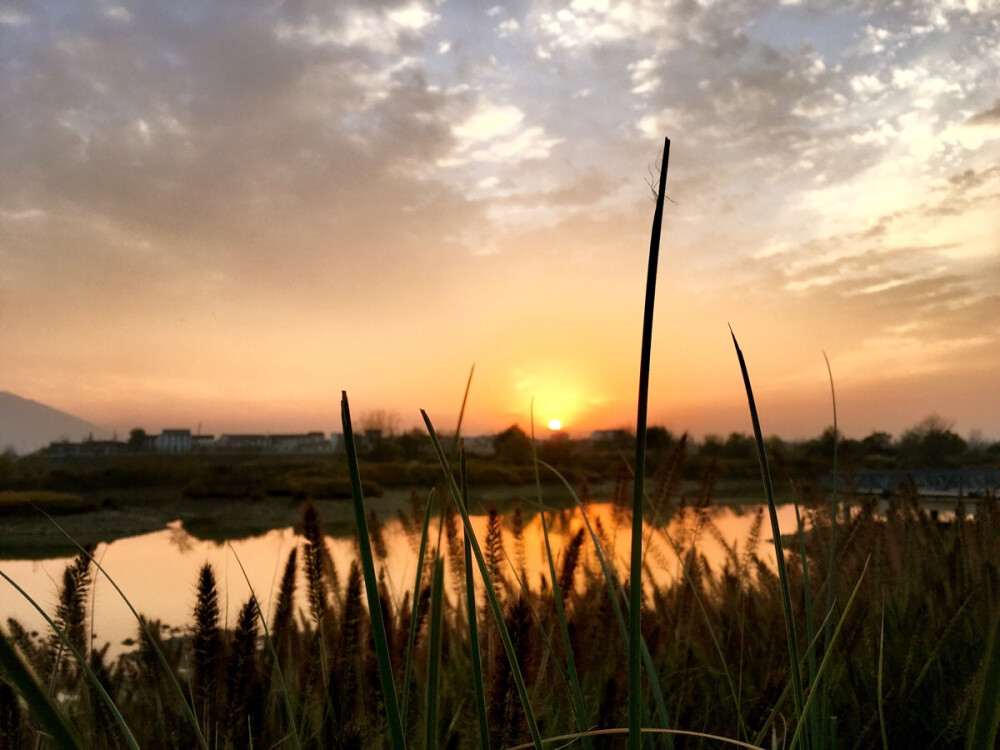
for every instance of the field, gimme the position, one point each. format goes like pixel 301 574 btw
pixel 906 660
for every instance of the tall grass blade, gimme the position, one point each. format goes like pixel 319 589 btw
pixel 171 677
pixel 814 717
pixel 786 600
pixel 471 612
pixel 827 658
pixel 576 694
pixel 411 637
pixel 396 733
pixel 986 711
pixel 431 734
pixel 831 552
pixel 84 664
pixel 274 654
pixel 49 717
pixel 461 411
pixel 881 701
pixel 614 585
pixel 491 593
pixel 635 565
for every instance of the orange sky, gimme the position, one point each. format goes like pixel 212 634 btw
pixel 224 215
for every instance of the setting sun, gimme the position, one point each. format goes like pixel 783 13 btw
pixel 555 424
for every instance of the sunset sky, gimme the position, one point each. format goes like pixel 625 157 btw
pixel 225 213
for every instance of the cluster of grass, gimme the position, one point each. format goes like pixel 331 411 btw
pixel 27 502
pixel 883 618
pixel 906 664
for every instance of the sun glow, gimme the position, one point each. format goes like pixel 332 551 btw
pixel 555 424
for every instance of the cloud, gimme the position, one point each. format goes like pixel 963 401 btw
pixel 308 166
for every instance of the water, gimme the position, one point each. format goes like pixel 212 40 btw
pixel 159 571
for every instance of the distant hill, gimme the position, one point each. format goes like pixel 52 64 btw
pixel 26 425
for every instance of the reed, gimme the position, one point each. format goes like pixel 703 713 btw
pixel 635 565
pixel 396 733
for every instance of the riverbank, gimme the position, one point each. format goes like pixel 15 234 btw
pixel 103 518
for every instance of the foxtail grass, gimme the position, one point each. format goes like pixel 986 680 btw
pixel 80 659
pixel 491 593
pixel 177 690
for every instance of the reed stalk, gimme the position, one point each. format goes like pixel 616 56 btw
pixel 472 613
pixel 635 566
pixel 786 601
pixel 491 593
pixel 396 733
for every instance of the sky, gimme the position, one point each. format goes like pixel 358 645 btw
pixel 222 214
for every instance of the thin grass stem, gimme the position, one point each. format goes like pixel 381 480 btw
pixel 576 694
pixel 635 565
pixel 115 713
pixel 286 700
pixel 786 601
pixel 473 617
pixel 396 734
pixel 491 593
pixel 411 637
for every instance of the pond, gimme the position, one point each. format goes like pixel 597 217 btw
pixel 158 571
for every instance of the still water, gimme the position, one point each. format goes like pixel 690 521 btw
pixel 158 571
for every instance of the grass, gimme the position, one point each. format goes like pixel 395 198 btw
pixel 944 576
pixel 897 655
pixel 27 503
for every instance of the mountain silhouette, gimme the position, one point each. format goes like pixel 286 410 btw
pixel 26 425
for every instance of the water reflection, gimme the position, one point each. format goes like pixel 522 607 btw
pixel 158 571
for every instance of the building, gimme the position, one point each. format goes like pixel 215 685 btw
pixel 242 443
pixel 174 441
pixel 309 442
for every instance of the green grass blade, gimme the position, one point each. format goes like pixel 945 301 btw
pixel 881 701
pixel 786 600
pixel 827 658
pixel 814 718
pixel 986 711
pixel 396 734
pixel 115 713
pixel 471 611
pixel 286 700
pixel 49 717
pixel 776 708
pixel 831 552
pixel 635 566
pixel 576 694
pixel 491 593
pixel 411 637
pixel 432 738
pixel 461 411
pixel 614 584
pixel 171 677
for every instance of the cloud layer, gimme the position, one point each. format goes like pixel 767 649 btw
pixel 222 212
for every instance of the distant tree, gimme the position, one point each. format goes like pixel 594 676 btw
pixel 386 422
pixel 878 444
pixel 658 439
pixel 739 446
pixel 137 439
pixel 931 444
pixel 711 447
pixel 513 446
